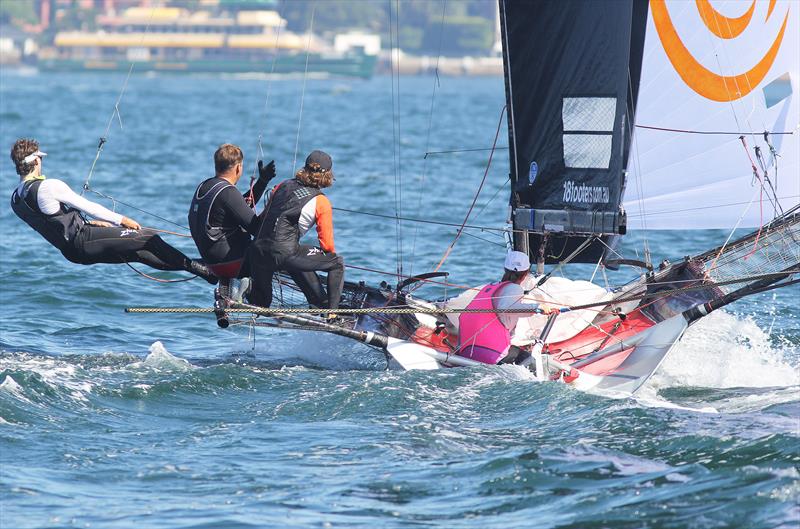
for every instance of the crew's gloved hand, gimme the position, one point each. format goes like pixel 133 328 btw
pixel 266 172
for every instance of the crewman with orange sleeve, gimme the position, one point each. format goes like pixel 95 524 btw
pixel 295 206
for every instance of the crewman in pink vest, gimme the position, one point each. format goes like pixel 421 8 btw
pixel 486 336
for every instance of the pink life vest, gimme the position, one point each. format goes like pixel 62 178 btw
pixel 481 335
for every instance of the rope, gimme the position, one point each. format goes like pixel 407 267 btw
pixel 477 194
pixel 292 310
pixel 156 279
pixel 408 310
pixel 175 233
pixel 115 202
pixel 757 177
pixel 710 132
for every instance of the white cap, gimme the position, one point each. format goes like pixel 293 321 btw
pixel 517 261
pixel 31 157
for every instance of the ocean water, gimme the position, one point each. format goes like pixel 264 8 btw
pixel 115 420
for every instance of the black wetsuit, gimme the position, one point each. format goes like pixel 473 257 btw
pixel 278 248
pixel 222 222
pixel 83 243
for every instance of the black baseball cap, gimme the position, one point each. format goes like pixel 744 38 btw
pixel 320 158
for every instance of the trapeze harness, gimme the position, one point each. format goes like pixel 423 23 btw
pixel 221 247
pixel 59 229
pixel 281 228
pixel 481 335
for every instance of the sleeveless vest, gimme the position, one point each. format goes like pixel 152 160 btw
pixel 206 236
pixel 481 335
pixel 280 227
pixel 59 229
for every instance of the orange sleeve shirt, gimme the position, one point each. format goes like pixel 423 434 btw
pixel 324 215
pixel 318 211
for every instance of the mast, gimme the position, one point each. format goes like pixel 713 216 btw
pixel 572 76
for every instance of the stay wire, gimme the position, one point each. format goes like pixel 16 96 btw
pixel 428 135
pixel 394 40
pixel 115 112
pixel 266 101
pixel 475 198
pixel 303 93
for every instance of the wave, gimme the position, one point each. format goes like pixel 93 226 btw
pixel 723 351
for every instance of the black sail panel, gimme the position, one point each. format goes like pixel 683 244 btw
pixel 572 69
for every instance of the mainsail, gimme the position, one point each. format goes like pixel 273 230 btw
pixel 572 70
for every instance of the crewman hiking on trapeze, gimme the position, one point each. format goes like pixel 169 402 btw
pixel 58 214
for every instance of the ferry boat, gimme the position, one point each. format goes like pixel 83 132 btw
pixel 178 40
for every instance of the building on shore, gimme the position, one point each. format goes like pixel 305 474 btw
pixel 179 40
pixel 16 46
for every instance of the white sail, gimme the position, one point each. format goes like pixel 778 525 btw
pixel 715 66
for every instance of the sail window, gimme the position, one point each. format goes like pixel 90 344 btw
pixel 778 90
pixel 588 124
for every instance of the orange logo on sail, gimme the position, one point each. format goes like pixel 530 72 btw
pixel 700 79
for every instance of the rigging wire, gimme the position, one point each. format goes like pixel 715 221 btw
pixel 303 93
pixel 266 101
pixel 428 135
pixel 710 132
pixel 475 199
pixel 394 40
pixel 451 151
pixel 501 244
pixel 104 139
pixel 638 173
pixel 115 112
pixel 499 189
pixel 412 219
pixel 732 101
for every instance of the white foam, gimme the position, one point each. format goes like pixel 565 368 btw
pixel 648 396
pixel 160 358
pixel 54 372
pixel 10 385
pixel 723 351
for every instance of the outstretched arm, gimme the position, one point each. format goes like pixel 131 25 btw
pixel 58 191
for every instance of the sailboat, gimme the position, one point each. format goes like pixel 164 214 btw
pixel 622 114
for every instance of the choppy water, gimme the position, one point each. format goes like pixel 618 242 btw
pixel 113 420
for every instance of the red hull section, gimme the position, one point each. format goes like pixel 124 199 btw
pixel 598 337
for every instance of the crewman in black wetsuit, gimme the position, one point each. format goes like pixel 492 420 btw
pixel 221 219
pixel 295 206
pixel 56 212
